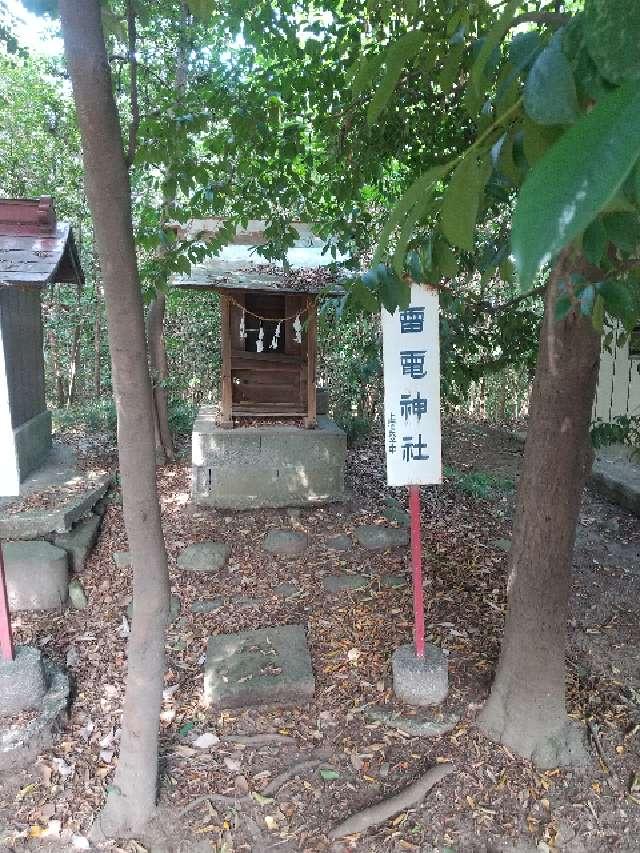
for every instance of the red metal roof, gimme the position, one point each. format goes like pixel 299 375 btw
pixel 35 250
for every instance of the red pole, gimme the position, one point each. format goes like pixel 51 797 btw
pixel 6 641
pixel 416 570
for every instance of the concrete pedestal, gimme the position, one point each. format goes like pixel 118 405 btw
pixel 267 466
pixel 420 681
pixel 37 575
pixel 22 682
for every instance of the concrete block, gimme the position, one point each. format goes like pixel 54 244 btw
pixel 271 466
pixel 22 683
pixel 616 476
pixel 426 724
pixel 420 681
pixel 122 559
pixel 270 666
pixel 342 583
pixel 37 575
pixel 338 542
pixel 79 541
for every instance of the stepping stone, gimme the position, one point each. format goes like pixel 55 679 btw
pixel 37 575
pixel 175 606
pixel 338 583
pixel 286 590
pixel 79 541
pixel 339 542
pixel 209 606
pixel 244 602
pixel 422 725
pixel 204 557
pixel 122 559
pixel 376 537
pixel 270 666
pixel 286 543
pixel 77 595
pixel 501 544
pixel 392 581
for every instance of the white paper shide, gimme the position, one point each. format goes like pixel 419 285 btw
pixel 412 390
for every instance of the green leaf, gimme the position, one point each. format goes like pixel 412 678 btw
pixel 444 258
pixel 202 9
pixel 413 217
pixel 418 189
pixel 619 301
pixel 461 201
pixel 451 68
pixel 575 179
pixel 612 34
pixel 329 775
pixel 394 292
pixel 260 799
pixel 594 242
pixel 490 43
pixel 361 298
pixel 367 69
pixel 550 95
pixel 398 54
pixel 537 140
pixel 185 729
pixel 623 229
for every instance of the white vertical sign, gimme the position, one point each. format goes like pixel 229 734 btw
pixel 411 352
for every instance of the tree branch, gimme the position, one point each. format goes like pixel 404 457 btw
pixel 550 19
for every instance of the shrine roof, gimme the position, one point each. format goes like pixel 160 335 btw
pixel 35 250
pixel 240 266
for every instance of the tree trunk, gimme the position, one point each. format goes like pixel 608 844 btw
pixel 160 374
pixel 132 797
pixel 526 710
pixel 97 332
pixel 73 363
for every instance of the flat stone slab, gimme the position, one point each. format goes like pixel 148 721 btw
pixel 286 590
pixel 285 543
pixel 338 542
pixel 269 666
pixel 209 606
pixel 501 544
pixel 377 537
pixel 420 681
pixel 122 559
pixel 79 541
pixel 618 479
pixel 77 595
pixel 339 583
pixel 22 683
pixel 37 575
pixel 204 557
pixel 40 523
pixel 431 724
pixel 393 581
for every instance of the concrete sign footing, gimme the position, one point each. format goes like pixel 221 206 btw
pixel 420 681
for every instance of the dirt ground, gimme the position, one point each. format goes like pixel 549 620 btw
pixel 493 801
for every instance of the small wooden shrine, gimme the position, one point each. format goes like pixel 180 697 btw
pixel 268 383
pixel 268 329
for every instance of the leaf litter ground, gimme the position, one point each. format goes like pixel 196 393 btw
pixel 493 801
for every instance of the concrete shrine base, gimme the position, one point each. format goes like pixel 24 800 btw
pixel 270 666
pixel 420 681
pixel 266 466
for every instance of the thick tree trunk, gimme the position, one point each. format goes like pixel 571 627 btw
pixel 74 355
pixel 526 709
pixel 132 797
pixel 97 330
pixel 160 374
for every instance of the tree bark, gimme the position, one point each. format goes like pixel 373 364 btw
pixel 526 710
pixel 131 801
pixel 74 355
pixel 160 374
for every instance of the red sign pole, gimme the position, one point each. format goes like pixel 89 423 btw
pixel 6 641
pixel 416 570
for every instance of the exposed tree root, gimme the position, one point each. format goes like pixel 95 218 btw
pixel 272 788
pixel 258 740
pixel 406 799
